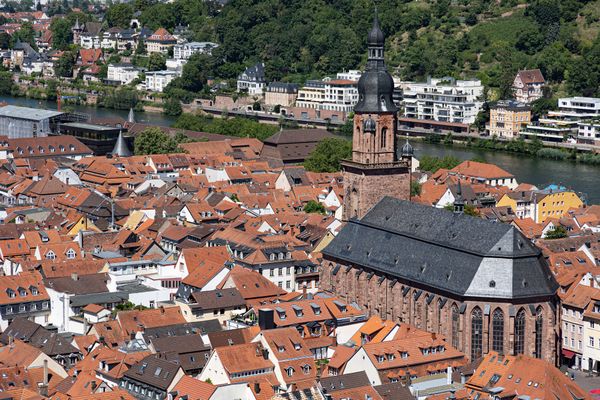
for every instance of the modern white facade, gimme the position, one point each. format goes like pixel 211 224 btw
pixel 186 50
pixel 444 100
pixel 577 107
pixel 156 81
pixel 123 73
pixel 329 94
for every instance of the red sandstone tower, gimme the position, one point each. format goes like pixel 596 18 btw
pixel 376 169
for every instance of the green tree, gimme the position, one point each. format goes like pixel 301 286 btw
pixel 7 85
pixel 119 15
pixel 61 33
pixel 558 232
pixel 141 47
pixel 327 155
pixel 313 206
pixel 25 34
pixel 415 188
pixel 154 141
pixel 157 62
pixel 172 107
pixel 63 67
pixel 432 164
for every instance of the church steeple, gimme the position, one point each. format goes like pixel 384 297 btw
pixel 376 85
pixel 378 168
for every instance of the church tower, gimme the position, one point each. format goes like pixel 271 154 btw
pixel 377 168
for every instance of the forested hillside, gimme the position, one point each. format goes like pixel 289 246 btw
pixel 461 38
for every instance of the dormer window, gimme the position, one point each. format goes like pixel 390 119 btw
pixel 50 255
pixel 71 254
pixel 297 346
pixel 272 257
pixel 281 349
pixel 40 149
pixel 289 371
pixel 71 147
pixel 52 149
pixel 390 356
pixel 22 292
pixel 34 290
pixel 380 358
pixel 19 150
pixel 280 256
pixel 62 148
pixel 11 293
pixel 306 369
pixel 404 354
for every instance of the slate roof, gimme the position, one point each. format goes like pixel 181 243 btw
pixel 454 253
pixel 154 371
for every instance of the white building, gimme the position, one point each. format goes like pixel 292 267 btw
pixel 576 108
pixel 444 100
pixel 156 81
pixel 329 94
pixel 123 73
pixel 588 132
pixel 252 80
pixel 185 50
pixel 351 75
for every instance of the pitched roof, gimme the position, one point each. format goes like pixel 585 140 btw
pixel 394 228
pixel 474 169
pixel 531 76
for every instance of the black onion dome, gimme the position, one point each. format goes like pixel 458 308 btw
pixel 375 88
pixel 375 37
pixel 407 150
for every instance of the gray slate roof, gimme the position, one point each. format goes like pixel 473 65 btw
pixel 448 252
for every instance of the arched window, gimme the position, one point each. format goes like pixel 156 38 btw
pixel 440 324
pixel 539 332
pixel 476 333
pixel 520 332
pixel 498 331
pixel 384 132
pixel 455 326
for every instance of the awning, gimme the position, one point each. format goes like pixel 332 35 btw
pixel 568 353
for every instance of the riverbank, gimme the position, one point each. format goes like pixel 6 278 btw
pixel 531 148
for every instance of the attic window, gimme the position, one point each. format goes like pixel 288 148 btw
pixel 34 290
pixel 71 254
pixel 50 255
pixel 11 293
pixel 22 292
pixel 158 371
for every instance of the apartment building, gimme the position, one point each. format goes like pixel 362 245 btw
pixel 329 94
pixel 160 42
pixel 185 50
pixel 443 99
pixel 156 81
pixel 122 73
pixel 507 117
pixel 252 80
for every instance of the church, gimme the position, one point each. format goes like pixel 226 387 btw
pixel 482 285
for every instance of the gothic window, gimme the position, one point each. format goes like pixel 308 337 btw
pixel 520 332
pixel 498 331
pixel 455 326
pixel 439 316
pixel 476 333
pixel 383 137
pixel 539 332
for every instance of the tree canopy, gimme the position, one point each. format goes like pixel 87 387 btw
pixel 154 141
pixel 327 155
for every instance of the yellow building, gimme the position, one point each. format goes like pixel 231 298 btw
pixel 507 117
pixel 540 205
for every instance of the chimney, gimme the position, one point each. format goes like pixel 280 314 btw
pixel 256 387
pixel 74 276
pixel 162 309
pixel 449 375
pixel 304 291
pixel 265 354
pixel 94 385
pixel 266 318
pixel 43 388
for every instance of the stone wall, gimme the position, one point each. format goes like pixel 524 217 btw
pixel 431 310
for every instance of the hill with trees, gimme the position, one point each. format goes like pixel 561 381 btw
pixel 484 39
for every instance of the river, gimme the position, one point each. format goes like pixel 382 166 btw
pixel 98 112
pixel 584 179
